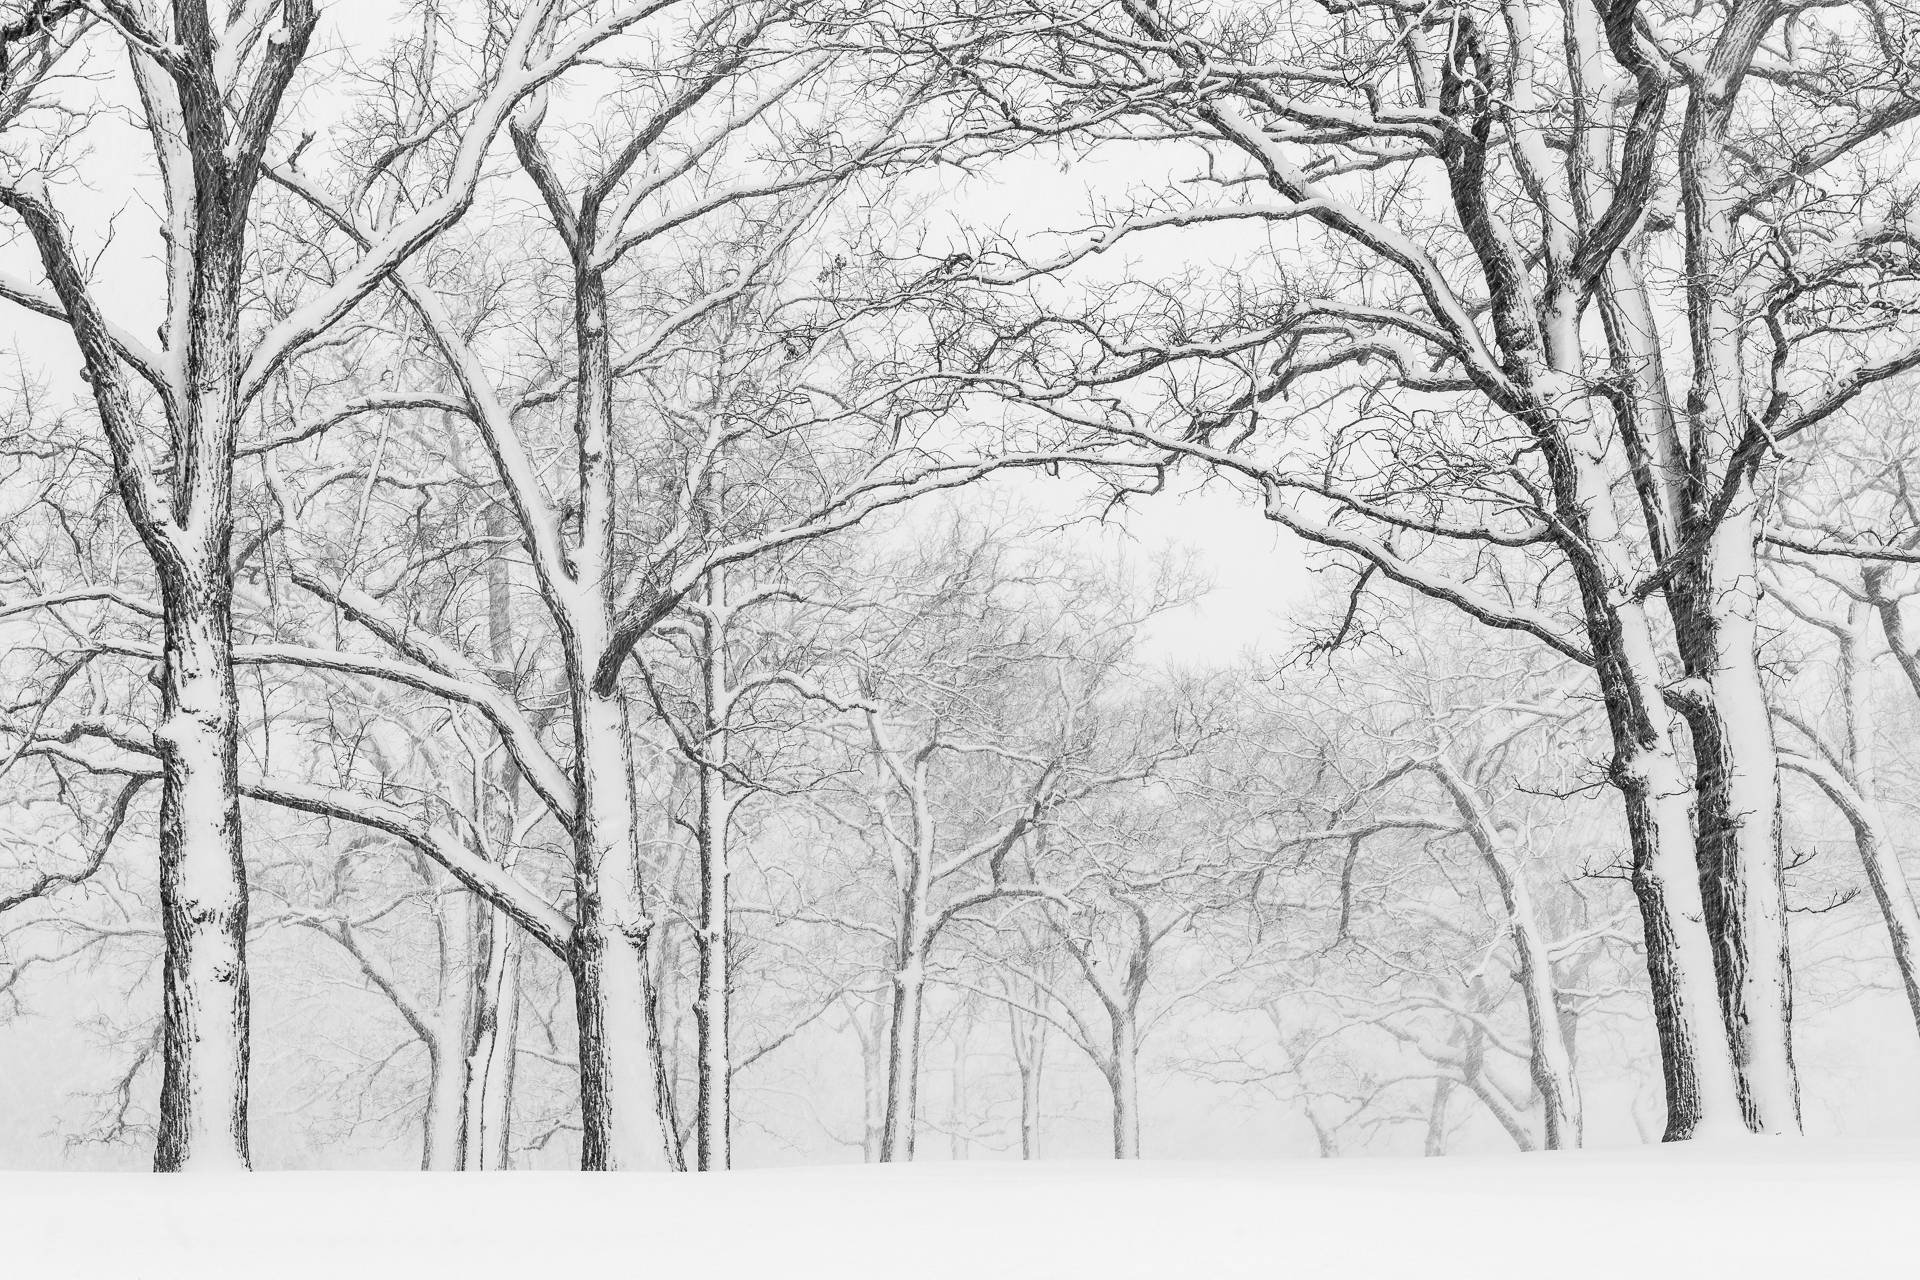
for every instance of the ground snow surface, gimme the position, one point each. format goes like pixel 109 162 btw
pixel 1746 1210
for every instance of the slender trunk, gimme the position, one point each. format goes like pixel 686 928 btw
pixel 873 1074
pixel 1123 1083
pixel 447 1029
pixel 909 983
pixel 1029 1058
pixel 1858 794
pixel 1436 1144
pixel 620 1122
pixel 712 1005
pixel 1894 629
pixel 1890 890
pixel 903 1057
pixel 491 1049
pixel 1551 1064
pixel 495 996
pixel 203 881
pixel 957 1145
pixel 1473 1071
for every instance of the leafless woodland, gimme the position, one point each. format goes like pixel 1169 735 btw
pixel 638 585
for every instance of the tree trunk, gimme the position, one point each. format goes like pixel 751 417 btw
pixel 444 1147
pixel 620 1122
pixel 1713 598
pixel 712 1004
pixel 874 1048
pixel 203 881
pixel 903 1058
pixel 1736 779
pixel 1436 1144
pixel 1702 1093
pixel 1696 1060
pixel 492 1049
pixel 1551 1065
pixel 491 1055
pixel 1029 1058
pixel 1123 1083
pixel 957 1145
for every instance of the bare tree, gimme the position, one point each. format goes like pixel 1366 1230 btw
pixel 211 95
pixel 1488 368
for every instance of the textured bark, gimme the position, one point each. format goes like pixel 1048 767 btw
pixel 1123 1086
pixel 493 1029
pixel 443 1147
pixel 1713 597
pixel 712 1004
pixel 487 1078
pixel 1736 782
pixel 621 1127
pixel 203 888
pixel 903 1058
pixel 208 154
pixel 1697 1064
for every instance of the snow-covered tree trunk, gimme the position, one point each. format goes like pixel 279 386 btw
pixel 870 1029
pixel 903 1055
pixel 1029 1038
pixel 203 881
pixel 712 1004
pixel 489 1067
pixel 493 1029
pixel 1714 598
pixel 1701 1090
pixel 1696 1059
pixel 1122 1070
pixel 1736 779
pixel 445 1130
pixel 181 506
pixel 621 1127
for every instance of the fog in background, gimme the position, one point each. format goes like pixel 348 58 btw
pixel 1077 636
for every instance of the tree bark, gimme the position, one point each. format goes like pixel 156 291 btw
pixel 491 1050
pixel 1713 597
pixel 903 1058
pixel 1697 1064
pixel 203 881
pixel 491 1046
pixel 712 1004
pixel 620 1123
pixel 444 1144
pixel 1123 1083
pixel 1736 781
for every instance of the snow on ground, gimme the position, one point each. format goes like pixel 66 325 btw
pixel 1762 1208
